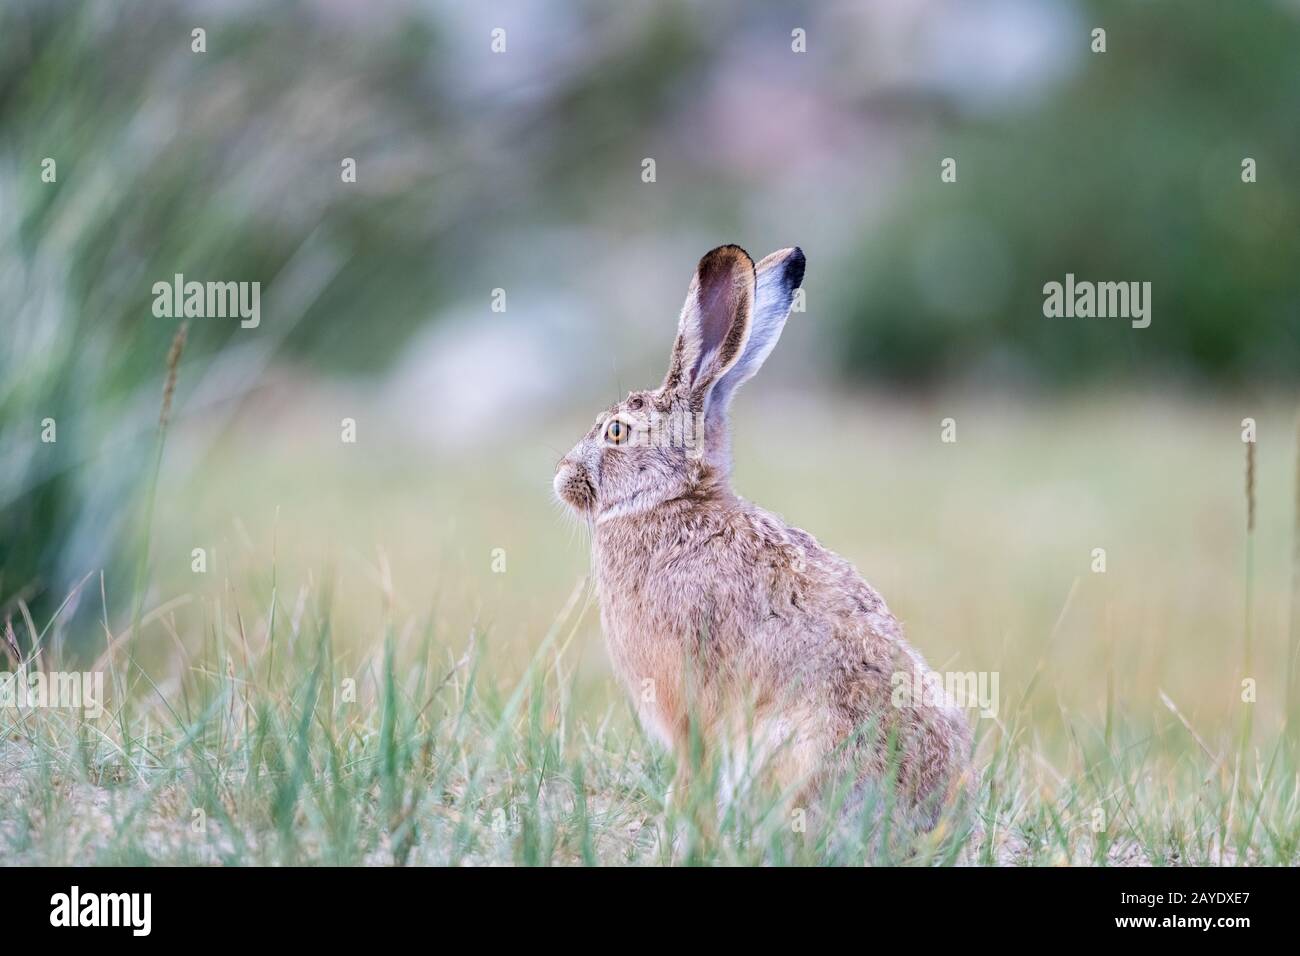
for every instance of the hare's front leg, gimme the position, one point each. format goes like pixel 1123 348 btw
pixel 692 796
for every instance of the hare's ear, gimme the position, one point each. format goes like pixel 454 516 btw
pixel 714 324
pixel 778 276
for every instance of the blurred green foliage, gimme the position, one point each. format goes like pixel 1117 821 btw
pixel 1131 172
pixel 226 166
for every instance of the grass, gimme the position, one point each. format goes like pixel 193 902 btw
pixel 314 699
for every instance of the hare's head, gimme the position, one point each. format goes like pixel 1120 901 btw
pixel 659 445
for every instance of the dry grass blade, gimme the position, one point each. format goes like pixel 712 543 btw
pixel 173 363
pixel 10 645
pixel 1173 708
pixel 1293 642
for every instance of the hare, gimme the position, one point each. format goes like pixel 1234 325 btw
pixel 728 627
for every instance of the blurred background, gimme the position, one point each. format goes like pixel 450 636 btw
pixel 516 177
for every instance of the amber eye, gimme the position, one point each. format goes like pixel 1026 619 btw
pixel 616 432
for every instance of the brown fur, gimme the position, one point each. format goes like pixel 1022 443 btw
pixel 722 621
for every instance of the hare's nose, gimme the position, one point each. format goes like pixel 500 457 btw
pixel 565 469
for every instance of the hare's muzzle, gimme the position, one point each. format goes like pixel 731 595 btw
pixel 573 485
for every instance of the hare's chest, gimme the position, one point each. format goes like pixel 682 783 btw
pixel 643 634
pixel 644 627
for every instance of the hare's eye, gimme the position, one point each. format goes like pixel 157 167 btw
pixel 616 432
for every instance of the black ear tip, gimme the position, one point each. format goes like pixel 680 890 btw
pixel 794 267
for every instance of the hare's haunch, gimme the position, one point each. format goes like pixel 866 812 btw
pixel 722 621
